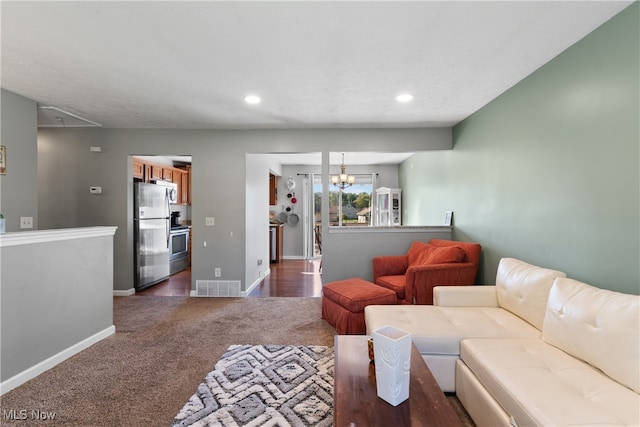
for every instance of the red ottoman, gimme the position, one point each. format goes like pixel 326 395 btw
pixel 343 303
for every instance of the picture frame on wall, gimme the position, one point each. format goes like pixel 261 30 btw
pixel 3 160
pixel 448 216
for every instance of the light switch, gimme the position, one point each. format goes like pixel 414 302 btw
pixel 26 222
pixel 209 221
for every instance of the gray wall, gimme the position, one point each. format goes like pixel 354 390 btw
pixel 548 172
pixel 220 180
pixel 257 219
pixel 46 310
pixel 19 187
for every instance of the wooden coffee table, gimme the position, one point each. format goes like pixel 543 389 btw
pixel 356 402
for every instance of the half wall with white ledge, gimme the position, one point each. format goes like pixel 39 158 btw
pixel 56 297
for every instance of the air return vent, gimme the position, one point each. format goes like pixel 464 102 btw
pixel 217 288
pixel 52 117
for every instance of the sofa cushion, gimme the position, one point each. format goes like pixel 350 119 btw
pixel 438 330
pixel 598 326
pixel 397 284
pixel 537 383
pixel 465 296
pixel 523 289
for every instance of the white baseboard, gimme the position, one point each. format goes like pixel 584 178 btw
pixel 125 293
pixel 254 284
pixel 293 257
pixel 52 361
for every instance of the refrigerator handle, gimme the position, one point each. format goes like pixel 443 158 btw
pixel 168 220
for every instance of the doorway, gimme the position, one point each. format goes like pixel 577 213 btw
pixel 171 251
pixel 313 223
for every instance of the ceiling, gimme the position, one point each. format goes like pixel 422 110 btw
pixel 340 64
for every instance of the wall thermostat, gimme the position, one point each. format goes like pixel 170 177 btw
pixel 95 190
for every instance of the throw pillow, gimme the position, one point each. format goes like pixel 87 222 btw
pixel 445 254
pixel 418 253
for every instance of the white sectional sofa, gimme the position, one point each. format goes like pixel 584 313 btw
pixel 535 349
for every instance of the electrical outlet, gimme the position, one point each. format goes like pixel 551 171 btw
pixel 209 221
pixel 26 222
pixel 218 272
pixel 259 262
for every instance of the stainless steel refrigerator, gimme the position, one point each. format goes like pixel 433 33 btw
pixel 152 224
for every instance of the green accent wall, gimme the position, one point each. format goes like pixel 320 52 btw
pixel 548 171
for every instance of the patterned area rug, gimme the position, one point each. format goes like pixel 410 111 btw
pixel 271 385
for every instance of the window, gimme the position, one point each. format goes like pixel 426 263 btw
pixel 352 206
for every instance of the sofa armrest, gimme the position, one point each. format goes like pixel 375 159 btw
pixel 421 279
pixel 389 265
pixel 465 296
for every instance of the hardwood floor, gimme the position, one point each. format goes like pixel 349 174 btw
pixel 177 285
pixel 288 278
pixel 291 278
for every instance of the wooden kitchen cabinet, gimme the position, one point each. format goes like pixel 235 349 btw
pixel 273 189
pixel 156 172
pixel 176 178
pixel 138 169
pixel 162 172
pixel 189 186
pixel 185 191
pixel 181 178
pixel 146 171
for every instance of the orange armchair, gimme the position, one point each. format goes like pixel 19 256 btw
pixel 426 265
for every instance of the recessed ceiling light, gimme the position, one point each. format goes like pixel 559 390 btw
pixel 404 97
pixel 252 99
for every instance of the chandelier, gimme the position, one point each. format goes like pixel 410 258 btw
pixel 343 180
